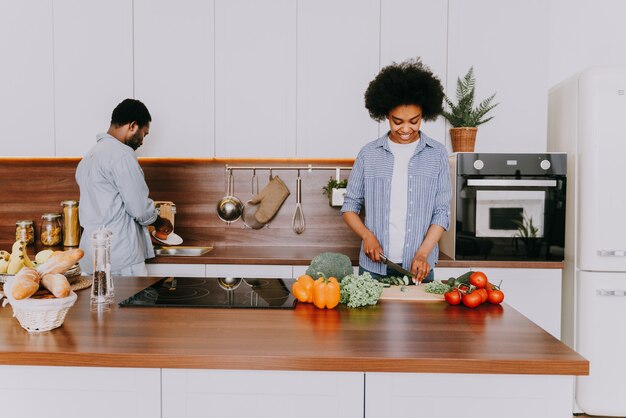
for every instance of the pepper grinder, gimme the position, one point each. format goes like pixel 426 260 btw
pixel 102 287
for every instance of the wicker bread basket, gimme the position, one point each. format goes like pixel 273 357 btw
pixel 39 315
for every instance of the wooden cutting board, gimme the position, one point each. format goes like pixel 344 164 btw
pixel 410 293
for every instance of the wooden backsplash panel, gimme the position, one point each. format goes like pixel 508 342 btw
pixel 33 186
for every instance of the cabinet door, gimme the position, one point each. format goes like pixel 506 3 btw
pixel 249 270
pixel 78 392
pixel 26 78
pixel 179 270
pixel 271 394
pixel 174 60
pixel 404 395
pixel 506 44
pixel 93 69
pixel 536 293
pixel 403 37
pixel 255 78
pixel 338 55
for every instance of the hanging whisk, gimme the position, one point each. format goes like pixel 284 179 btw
pixel 298 224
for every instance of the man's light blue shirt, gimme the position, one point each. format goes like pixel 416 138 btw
pixel 114 194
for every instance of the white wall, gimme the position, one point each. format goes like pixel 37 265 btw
pixel 281 78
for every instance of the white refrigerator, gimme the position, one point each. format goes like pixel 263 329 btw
pixel 587 119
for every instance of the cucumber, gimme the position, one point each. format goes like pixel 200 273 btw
pixel 463 278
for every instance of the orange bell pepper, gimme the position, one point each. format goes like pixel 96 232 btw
pixel 303 288
pixel 326 293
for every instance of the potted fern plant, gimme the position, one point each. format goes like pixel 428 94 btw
pixel 335 190
pixel 463 116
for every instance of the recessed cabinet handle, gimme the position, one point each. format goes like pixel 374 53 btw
pixel 610 292
pixel 612 253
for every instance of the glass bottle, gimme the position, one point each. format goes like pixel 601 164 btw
pixel 71 226
pixel 24 231
pixel 50 229
pixel 102 286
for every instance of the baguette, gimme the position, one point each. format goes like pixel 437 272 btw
pixel 25 283
pixel 57 284
pixel 60 261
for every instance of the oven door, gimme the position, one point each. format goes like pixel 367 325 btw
pixel 509 218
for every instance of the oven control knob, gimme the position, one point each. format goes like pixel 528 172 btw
pixel 545 164
pixel 479 164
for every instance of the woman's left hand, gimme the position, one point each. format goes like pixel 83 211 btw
pixel 420 267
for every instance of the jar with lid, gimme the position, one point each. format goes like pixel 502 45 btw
pixel 71 226
pixel 50 229
pixel 24 231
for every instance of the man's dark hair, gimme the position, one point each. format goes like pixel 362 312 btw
pixel 407 83
pixel 130 110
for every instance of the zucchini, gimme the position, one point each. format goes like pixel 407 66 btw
pixel 463 278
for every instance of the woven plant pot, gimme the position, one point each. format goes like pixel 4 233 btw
pixel 463 139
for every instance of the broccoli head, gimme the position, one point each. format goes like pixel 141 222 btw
pixel 331 265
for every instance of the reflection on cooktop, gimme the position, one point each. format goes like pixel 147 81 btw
pixel 216 292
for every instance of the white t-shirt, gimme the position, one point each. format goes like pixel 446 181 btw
pixel 402 153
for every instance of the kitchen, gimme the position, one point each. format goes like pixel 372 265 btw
pixel 291 73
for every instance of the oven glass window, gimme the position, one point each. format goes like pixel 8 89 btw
pixel 504 218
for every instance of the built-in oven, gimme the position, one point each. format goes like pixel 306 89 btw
pixel 507 207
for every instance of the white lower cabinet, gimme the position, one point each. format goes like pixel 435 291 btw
pixel 178 270
pixel 404 395
pixel 271 394
pixel 536 293
pixel 78 392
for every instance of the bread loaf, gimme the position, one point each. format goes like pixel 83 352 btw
pixel 61 261
pixel 25 283
pixel 57 284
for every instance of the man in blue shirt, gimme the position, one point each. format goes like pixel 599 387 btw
pixel 402 178
pixel 114 194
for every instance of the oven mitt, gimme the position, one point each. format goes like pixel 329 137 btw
pixel 270 199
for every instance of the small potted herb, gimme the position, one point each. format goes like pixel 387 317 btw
pixel 335 190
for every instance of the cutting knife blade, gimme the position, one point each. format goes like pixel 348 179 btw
pixel 396 267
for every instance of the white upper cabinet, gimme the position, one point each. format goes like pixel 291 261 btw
pixel 255 78
pixel 506 42
pixel 338 55
pixel 93 69
pixel 174 75
pixel 411 29
pixel 26 78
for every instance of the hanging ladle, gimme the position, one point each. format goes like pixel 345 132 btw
pixel 229 208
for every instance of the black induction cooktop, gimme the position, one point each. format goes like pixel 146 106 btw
pixel 216 292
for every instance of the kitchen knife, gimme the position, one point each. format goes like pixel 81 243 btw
pixel 396 267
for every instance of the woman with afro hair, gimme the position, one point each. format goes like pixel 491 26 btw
pixel 402 178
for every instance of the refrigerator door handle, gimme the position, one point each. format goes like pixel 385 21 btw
pixel 610 292
pixel 612 253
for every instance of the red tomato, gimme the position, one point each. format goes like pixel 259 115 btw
pixel 478 279
pixel 483 294
pixel 472 300
pixel 453 297
pixel 496 296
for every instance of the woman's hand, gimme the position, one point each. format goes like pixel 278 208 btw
pixel 371 246
pixel 420 267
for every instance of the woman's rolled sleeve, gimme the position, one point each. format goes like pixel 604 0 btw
pixel 441 212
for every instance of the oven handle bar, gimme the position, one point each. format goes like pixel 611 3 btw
pixel 511 183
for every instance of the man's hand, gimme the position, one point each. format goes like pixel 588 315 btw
pixel 371 246
pixel 163 225
pixel 420 267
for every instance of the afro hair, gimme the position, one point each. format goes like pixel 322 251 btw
pixel 407 83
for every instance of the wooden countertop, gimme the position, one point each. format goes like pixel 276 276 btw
pixel 393 336
pixel 279 255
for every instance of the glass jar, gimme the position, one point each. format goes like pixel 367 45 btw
pixel 50 229
pixel 71 226
pixel 24 231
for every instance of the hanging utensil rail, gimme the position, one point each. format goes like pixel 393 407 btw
pixel 308 168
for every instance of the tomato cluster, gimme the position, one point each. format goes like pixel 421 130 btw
pixel 475 291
